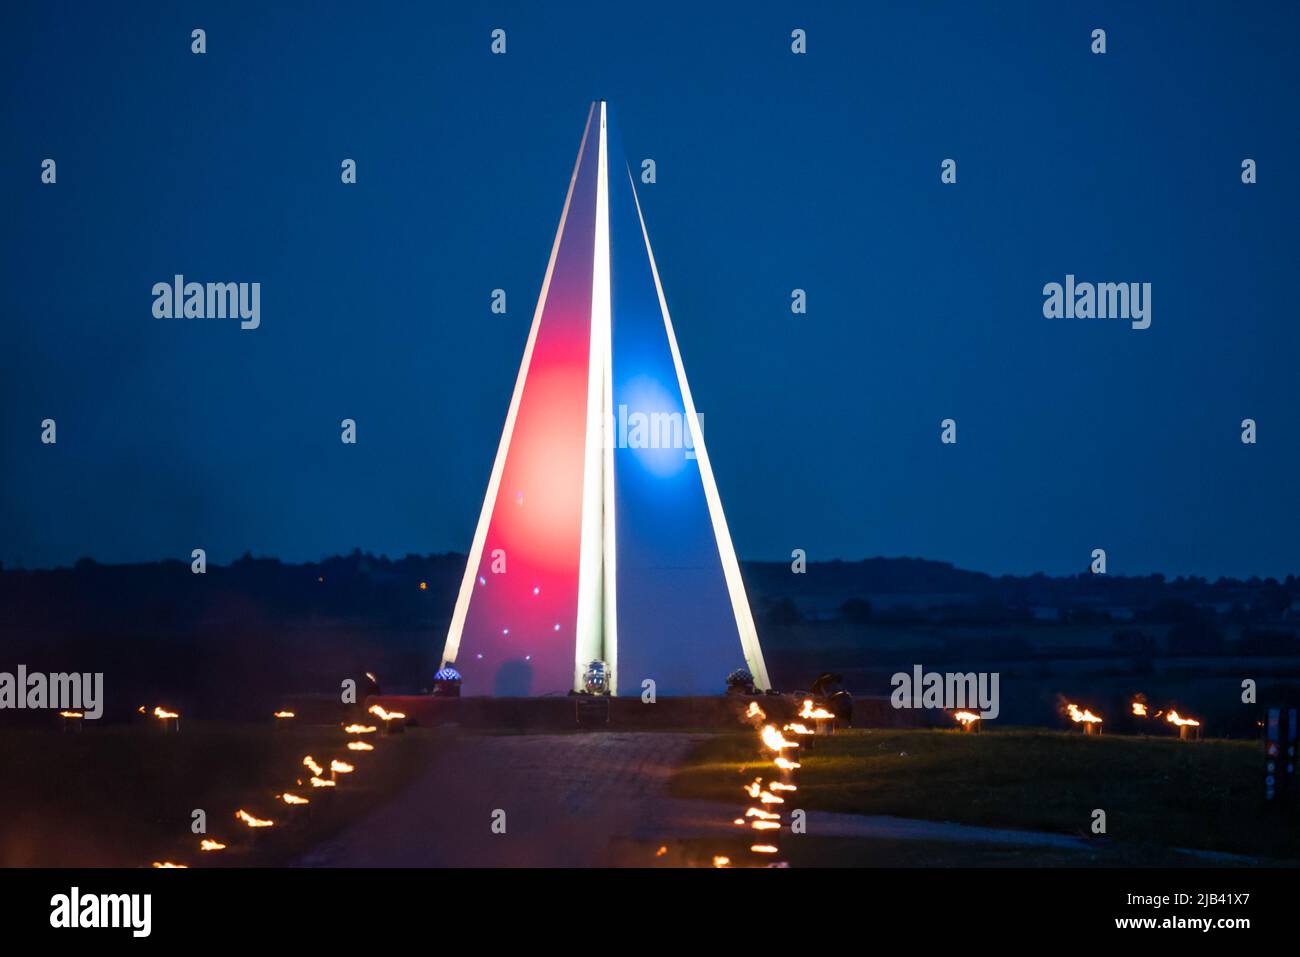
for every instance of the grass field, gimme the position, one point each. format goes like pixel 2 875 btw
pixel 123 796
pixel 1158 793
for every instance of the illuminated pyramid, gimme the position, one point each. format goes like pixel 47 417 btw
pixel 602 536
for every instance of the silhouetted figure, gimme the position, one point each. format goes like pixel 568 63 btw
pixel 825 683
pixel 838 702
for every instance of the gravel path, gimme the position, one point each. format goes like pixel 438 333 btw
pixel 564 796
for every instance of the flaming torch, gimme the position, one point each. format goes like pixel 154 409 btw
pixel 968 720
pixel 360 729
pixel 360 746
pixel 207 844
pixel 805 734
pixel 755 790
pixel 823 720
pixel 340 767
pixel 774 740
pixel 392 719
pixel 1189 729
pixel 255 824
pixel 171 720
pixel 251 821
pixel 71 720
pixel 1091 723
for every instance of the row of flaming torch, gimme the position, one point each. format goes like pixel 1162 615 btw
pixel 312 776
pixel 168 720
pixel 764 814
pixel 1188 728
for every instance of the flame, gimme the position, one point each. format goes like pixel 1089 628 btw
pixel 310 764
pixel 210 845
pixel 379 712
pixel 764 825
pixel 761 814
pixel 755 789
pixel 816 714
pixel 774 740
pixel 321 783
pixel 163 714
pixel 360 746
pixel 285 714
pixel 767 797
pixel 1081 716
pixel 168 865
pixel 341 767
pixel 786 765
pixel 288 798
pixel 71 714
pixel 966 717
pixel 1173 717
pixel 798 728
pixel 663 849
pixel 359 729
pixel 1139 709
pixel 755 711
pixel 720 860
pixel 762 848
pixel 778 786
pixel 251 821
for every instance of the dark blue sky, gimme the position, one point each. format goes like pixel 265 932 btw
pixel 775 171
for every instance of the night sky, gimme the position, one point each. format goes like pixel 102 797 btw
pixel 775 171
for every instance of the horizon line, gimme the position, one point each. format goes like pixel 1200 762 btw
pixel 460 556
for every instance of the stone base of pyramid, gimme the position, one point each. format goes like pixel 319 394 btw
pixel 720 712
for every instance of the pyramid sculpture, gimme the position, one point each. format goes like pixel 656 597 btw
pixel 602 536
